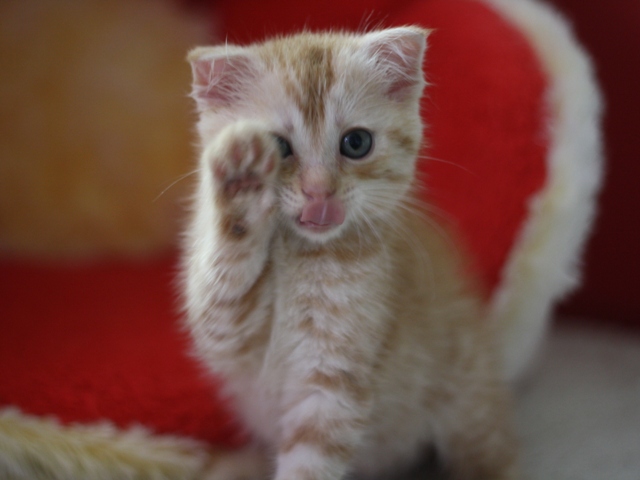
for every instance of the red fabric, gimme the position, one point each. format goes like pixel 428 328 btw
pixel 93 342
pixel 485 123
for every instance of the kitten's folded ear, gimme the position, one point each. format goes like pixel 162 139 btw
pixel 220 75
pixel 398 53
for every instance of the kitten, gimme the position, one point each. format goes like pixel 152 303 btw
pixel 337 317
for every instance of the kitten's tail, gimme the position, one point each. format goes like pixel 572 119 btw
pixel 545 264
pixel 36 447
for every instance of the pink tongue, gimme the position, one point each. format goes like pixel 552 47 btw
pixel 323 212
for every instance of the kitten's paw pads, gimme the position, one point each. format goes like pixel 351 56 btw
pixel 244 159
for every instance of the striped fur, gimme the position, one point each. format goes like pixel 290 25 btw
pixel 350 347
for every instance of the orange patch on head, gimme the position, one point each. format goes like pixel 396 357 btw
pixel 316 78
pixel 409 144
pixel 312 63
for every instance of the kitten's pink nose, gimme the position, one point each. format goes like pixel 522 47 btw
pixel 322 208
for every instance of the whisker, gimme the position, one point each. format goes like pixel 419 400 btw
pixel 427 218
pixel 177 180
pixel 446 162
pixel 417 207
pixel 420 204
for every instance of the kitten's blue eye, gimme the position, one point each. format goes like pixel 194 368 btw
pixel 356 144
pixel 284 146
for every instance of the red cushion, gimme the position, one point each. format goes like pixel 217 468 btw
pixel 103 341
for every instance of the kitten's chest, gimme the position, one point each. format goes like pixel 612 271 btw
pixel 324 303
pixel 320 286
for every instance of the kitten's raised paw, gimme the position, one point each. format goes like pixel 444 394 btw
pixel 244 159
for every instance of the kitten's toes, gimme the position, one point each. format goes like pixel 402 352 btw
pixel 244 158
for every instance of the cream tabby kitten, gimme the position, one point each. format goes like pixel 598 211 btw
pixel 339 320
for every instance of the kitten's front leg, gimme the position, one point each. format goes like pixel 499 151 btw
pixel 328 394
pixel 227 261
pixel 322 431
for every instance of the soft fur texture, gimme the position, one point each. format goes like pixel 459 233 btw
pixel 341 322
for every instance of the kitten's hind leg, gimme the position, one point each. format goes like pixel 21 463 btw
pixel 482 444
pixel 250 463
